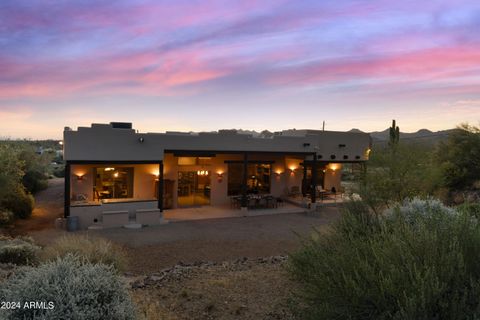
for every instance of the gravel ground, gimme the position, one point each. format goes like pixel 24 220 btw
pixel 153 248
pixel 239 289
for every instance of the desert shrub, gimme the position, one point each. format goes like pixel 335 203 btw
pixel 19 251
pixel 471 209
pixel 419 261
pixel 35 180
pixel 394 175
pixel 413 210
pixel 59 172
pixel 20 203
pixel 78 290
pixel 459 158
pixel 94 250
pixel 6 217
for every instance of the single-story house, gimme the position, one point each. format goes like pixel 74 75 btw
pixel 114 174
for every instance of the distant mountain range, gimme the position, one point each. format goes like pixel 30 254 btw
pixel 421 136
pixel 378 137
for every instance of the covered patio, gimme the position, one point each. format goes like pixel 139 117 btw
pixel 218 212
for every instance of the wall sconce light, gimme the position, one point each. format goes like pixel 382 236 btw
pixel 79 177
pixel 219 176
pixel 334 167
pixel 278 173
pixel 292 170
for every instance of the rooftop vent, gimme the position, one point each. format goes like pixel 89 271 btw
pixel 121 125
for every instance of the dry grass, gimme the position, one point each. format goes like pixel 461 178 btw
pixel 251 292
pixel 93 249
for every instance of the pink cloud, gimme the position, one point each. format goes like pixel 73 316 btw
pixel 435 63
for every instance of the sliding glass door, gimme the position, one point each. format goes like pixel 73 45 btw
pixel 193 188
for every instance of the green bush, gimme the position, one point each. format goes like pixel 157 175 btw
pixel 6 217
pixel 59 172
pixel 418 261
pixel 19 251
pixel 20 203
pixel 35 181
pixel 76 289
pixel 471 209
pixel 94 250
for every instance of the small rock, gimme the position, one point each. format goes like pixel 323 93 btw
pixel 138 284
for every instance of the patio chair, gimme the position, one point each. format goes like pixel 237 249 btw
pixel 252 203
pixel 279 202
pixel 236 202
pixel 270 202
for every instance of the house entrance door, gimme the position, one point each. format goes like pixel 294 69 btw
pixel 193 188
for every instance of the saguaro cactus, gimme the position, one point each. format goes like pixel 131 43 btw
pixel 394 134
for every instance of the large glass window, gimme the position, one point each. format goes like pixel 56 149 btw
pixel 258 178
pixel 113 183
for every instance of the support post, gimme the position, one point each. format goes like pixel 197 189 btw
pixel 66 208
pixel 304 179
pixel 314 179
pixel 244 181
pixel 160 186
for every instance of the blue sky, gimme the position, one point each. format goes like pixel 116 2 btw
pixel 207 65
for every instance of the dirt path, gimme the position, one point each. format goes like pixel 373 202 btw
pixel 48 207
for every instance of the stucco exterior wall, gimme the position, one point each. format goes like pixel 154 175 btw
pixel 102 142
pixel 333 178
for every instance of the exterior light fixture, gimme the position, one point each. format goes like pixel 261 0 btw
pixel 141 139
pixel 334 166
pixel 219 176
pixel 292 170
pixel 367 152
pixel 79 177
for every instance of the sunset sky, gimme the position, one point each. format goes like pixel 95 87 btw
pixel 208 65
